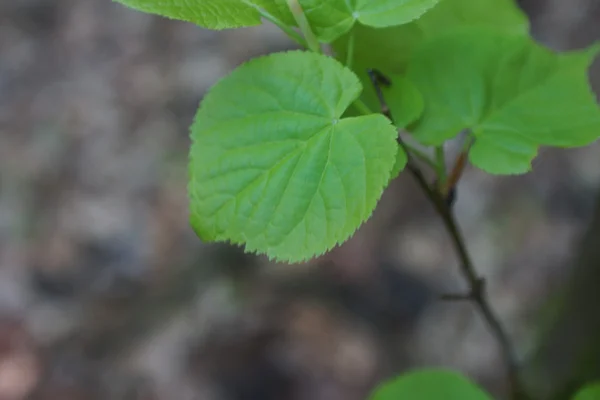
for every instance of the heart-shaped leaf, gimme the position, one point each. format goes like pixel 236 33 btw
pixel 272 164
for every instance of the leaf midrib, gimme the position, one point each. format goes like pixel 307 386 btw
pixel 330 132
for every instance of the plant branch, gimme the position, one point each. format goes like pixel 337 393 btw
pixel 477 289
pixel 477 293
pixel 460 164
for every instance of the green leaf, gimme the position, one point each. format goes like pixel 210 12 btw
pixel 390 49
pixel 404 100
pixel 383 13
pixel 406 106
pixel 512 94
pixel 588 392
pixel 401 161
pixel 277 8
pixel 430 384
pixel 212 14
pixel 332 18
pixel 273 166
pixel 503 15
pixel 329 19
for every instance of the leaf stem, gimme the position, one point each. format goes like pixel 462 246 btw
pixel 300 17
pixel 460 164
pixel 350 50
pixel 288 30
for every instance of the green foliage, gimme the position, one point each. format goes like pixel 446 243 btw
pixel 429 384
pixel 406 105
pixel 288 161
pixel 501 15
pixel 589 392
pixel 508 91
pixel 383 13
pixel 404 99
pixel 273 165
pixel 390 49
pixel 212 14
pixel 329 18
pixel 332 18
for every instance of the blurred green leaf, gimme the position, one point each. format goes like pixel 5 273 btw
pixel 430 384
pixel 588 392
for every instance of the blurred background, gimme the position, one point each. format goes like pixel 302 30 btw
pixel 106 293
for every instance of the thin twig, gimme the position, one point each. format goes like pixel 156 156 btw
pixel 458 169
pixel 477 293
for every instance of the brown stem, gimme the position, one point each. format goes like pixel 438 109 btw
pixel 455 174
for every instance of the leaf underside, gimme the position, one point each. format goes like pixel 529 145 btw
pixel 274 167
